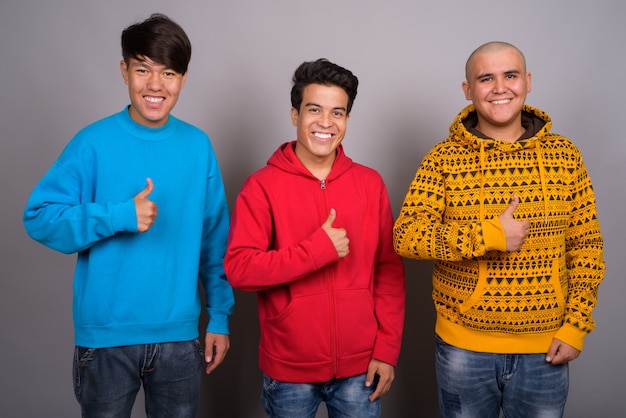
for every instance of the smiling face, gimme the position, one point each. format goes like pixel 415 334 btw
pixel 321 125
pixel 497 84
pixel 153 90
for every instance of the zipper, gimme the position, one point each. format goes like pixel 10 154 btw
pixel 331 293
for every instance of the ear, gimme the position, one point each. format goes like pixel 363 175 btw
pixel 528 79
pixel 182 83
pixel 294 116
pixel 466 89
pixel 124 70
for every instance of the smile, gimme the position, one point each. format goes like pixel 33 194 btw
pixel 153 99
pixel 321 135
pixel 502 101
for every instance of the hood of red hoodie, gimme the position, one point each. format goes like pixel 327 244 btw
pixel 285 158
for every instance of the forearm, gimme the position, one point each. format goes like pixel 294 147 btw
pixel 252 267
pixel 72 228
pixel 424 238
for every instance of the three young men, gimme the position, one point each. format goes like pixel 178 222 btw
pixel 504 206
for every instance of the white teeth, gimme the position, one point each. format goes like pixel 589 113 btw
pixel 322 136
pixel 501 101
pixel 154 99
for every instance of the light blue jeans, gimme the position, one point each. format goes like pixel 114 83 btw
pixel 107 380
pixel 344 398
pixel 479 385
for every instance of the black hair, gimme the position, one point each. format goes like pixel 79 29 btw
pixel 326 73
pixel 160 39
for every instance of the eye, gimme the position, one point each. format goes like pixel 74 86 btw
pixel 338 113
pixel 169 74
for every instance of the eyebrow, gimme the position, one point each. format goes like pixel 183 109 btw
pixel 142 63
pixel 149 63
pixel 491 74
pixel 311 104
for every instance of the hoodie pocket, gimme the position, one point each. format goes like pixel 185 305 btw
pixel 516 296
pixel 478 291
pixel 301 332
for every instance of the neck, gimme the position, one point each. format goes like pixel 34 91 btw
pixel 509 133
pixel 320 167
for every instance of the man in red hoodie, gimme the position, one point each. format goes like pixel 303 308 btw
pixel 311 233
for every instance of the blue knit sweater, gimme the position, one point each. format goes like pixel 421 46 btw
pixel 130 287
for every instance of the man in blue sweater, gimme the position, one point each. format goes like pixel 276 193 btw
pixel 139 197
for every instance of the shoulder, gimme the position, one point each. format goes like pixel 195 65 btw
pixel 97 127
pixel 366 171
pixel 448 149
pixel 556 142
pixel 264 175
pixel 188 129
pixel 364 178
pixel 181 124
pixel 91 134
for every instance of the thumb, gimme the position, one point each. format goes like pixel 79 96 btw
pixel 146 192
pixel 331 218
pixel 554 348
pixel 371 374
pixel 512 206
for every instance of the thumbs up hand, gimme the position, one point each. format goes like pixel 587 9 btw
pixel 338 236
pixel 515 231
pixel 145 208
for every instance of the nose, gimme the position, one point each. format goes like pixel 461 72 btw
pixel 499 85
pixel 325 119
pixel 154 82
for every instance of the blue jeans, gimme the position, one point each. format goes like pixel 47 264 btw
pixel 344 398
pixel 107 380
pixel 478 385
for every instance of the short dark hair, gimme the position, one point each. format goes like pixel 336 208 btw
pixel 160 39
pixel 326 73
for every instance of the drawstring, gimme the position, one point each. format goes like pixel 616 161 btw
pixel 483 164
pixel 542 176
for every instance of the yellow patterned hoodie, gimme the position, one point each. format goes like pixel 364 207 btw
pixel 488 299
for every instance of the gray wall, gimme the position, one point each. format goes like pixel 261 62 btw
pixel 59 71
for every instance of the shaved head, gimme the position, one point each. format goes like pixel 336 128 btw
pixel 488 48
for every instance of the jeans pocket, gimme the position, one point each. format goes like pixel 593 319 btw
pixel 82 356
pixel 269 384
pixel 198 345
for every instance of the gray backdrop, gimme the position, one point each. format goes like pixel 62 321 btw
pixel 59 70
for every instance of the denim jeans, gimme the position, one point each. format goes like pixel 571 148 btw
pixel 479 385
pixel 107 380
pixel 344 398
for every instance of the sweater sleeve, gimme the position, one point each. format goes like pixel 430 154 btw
pixel 420 231
pixel 60 215
pixel 250 262
pixel 585 261
pixel 219 294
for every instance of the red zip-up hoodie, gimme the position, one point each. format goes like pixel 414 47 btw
pixel 321 317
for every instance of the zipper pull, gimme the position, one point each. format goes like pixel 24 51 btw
pixel 323 184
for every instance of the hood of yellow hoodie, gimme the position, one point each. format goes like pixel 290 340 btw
pixel 537 124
